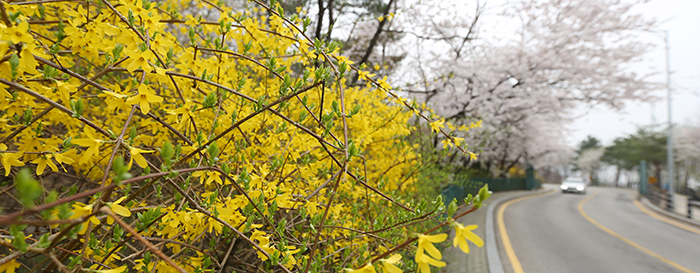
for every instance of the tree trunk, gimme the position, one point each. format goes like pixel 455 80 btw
pixel 319 22
pixel 373 41
pixel 330 20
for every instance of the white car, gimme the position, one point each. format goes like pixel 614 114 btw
pixel 573 184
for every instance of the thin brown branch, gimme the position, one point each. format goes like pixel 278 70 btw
pixel 142 240
pixel 10 218
pixel 54 104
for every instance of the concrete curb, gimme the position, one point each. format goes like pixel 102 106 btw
pixel 667 214
pixel 494 259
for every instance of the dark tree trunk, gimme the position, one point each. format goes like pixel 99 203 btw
pixel 319 20
pixel 375 38
pixel 330 20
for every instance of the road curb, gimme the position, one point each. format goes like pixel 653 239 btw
pixel 492 256
pixel 645 202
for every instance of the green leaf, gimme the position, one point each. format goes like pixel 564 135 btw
pixel 132 134
pixel 341 69
pixel 53 196
pixel 19 241
pixel 272 63
pixel 27 187
pixel 209 101
pixel 44 241
pixel 77 106
pixel 67 143
pixel 287 81
pixel 213 151
pixel 307 22
pixel 355 110
pixel 147 257
pixel 64 211
pixel 484 193
pixel 247 47
pixel 14 64
pixel 130 17
pixel 117 50
pixel 336 108
pixel 468 199
pixel 452 208
pixel 49 72
pixel 27 116
pixel 121 170
pixel 167 151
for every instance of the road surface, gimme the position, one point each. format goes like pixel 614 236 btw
pixel 601 231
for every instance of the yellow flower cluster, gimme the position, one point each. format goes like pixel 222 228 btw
pixel 246 138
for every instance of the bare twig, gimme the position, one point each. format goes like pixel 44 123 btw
pixel 142 240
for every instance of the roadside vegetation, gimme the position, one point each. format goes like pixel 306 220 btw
pixel 192 137
pixel 281 136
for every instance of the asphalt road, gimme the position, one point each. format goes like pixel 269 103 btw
pixel 549 233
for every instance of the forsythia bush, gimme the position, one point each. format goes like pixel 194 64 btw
pixel 136 138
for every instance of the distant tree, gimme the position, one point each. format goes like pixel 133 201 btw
pixel 590 142
pixel 587 158
pixel 616 155
pixel 561 56
pixel 687 147
pixel 647 144
pixel 589 163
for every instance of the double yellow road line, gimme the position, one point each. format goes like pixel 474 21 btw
pixel 628 241
pixel 517 267
pixel 507 246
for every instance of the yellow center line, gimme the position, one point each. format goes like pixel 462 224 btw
pixel 662 219
pixel 618 236
pixel 507 246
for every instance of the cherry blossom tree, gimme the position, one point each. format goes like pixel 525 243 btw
pixel 562 55
pixel 688 151
pixel 523 77
pixel 589 163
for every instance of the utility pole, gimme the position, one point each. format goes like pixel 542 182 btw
pixel 669 140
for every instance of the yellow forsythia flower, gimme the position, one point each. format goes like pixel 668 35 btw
pixel 144 98
pixel 11 159
pixel 388 264
pixel 369 268
pixel 136 156
pixel 383 84
pixel 364 75
pixel 140 59
pixel 463 235
pixel 118 209
pixel 115 270
pixel 425 243
pixel 20 33
pixel 10 266
pixel 436 125
pixel 91 142
pixel 42 162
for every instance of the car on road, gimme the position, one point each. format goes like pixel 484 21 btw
pixel 573 184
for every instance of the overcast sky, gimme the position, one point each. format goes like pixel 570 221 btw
pixel 682 19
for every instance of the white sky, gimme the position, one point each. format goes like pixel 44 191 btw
pixel 682 19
